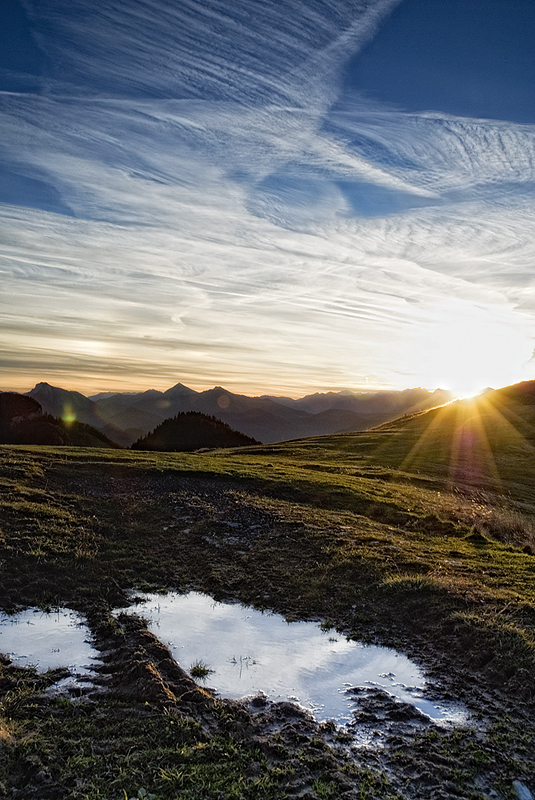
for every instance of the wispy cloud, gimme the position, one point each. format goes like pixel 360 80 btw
pixel 231 214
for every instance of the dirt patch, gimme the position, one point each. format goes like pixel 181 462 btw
pixel 146 723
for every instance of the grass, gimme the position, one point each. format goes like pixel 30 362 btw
pixel 367 532
pixel 332 529
pixel 106 752
pixel 200 670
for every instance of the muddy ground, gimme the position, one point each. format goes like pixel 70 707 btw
pixel 231 540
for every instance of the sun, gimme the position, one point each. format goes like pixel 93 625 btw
pixel 467 348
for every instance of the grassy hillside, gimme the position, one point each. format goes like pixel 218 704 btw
pixel 486 441
pixel 419 534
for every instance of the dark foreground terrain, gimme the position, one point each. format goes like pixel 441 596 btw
pixel 346 530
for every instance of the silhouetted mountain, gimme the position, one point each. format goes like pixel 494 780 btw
pixel 136 414
pixel 407 401
pixel 192 431
pixel 62 403
pixel 268 419
pixel 179 390
pixel 22 422
pixel 71 406
pixel 52 431
pixel 124 418
pixel 16 410
pixel 104 395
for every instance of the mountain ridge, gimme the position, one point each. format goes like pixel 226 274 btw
pixel 23 421
pixel 127 417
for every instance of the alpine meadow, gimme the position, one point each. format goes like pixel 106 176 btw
pixel 267 515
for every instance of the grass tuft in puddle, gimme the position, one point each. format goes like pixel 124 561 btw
pixel 200 670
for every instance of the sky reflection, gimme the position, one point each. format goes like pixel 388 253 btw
pixel 252 652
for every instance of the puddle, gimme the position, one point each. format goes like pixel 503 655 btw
pixel 48 641
pixel 251 652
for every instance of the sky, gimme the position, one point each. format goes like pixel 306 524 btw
pixel 275 196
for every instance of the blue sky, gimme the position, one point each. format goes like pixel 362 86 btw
pixel 276 197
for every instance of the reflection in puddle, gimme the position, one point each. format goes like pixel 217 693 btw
pixel 47 640
pixel 252 652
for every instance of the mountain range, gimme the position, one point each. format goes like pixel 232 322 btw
pixel 126 417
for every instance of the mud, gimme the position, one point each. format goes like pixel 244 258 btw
pixel 388 750
pixel 139 668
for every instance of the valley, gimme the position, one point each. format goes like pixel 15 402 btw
pixel 124 418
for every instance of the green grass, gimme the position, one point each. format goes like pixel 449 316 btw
pixel 354 530
pixel 200 670
pixel 368 532
pixel 107 751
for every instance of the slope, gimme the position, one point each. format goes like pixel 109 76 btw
pixel 192 431
pixel 22 422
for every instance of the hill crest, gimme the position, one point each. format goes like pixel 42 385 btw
pixel 189 431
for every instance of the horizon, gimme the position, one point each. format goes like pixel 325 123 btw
pixel 288 197
pixel 232 385
pixel 366 390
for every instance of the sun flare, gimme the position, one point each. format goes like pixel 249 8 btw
pixel 467 348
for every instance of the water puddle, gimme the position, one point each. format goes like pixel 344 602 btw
pixel 250 652
pixel 48 641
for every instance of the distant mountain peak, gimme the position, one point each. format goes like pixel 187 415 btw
pixel 48 389
pixel 218 390
pixel 179 389
pixel 44 388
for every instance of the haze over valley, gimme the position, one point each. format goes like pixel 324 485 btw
pixel 125 417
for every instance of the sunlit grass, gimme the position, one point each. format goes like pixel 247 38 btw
pixel 373 533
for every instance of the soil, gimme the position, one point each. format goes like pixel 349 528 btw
pixel 220 537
